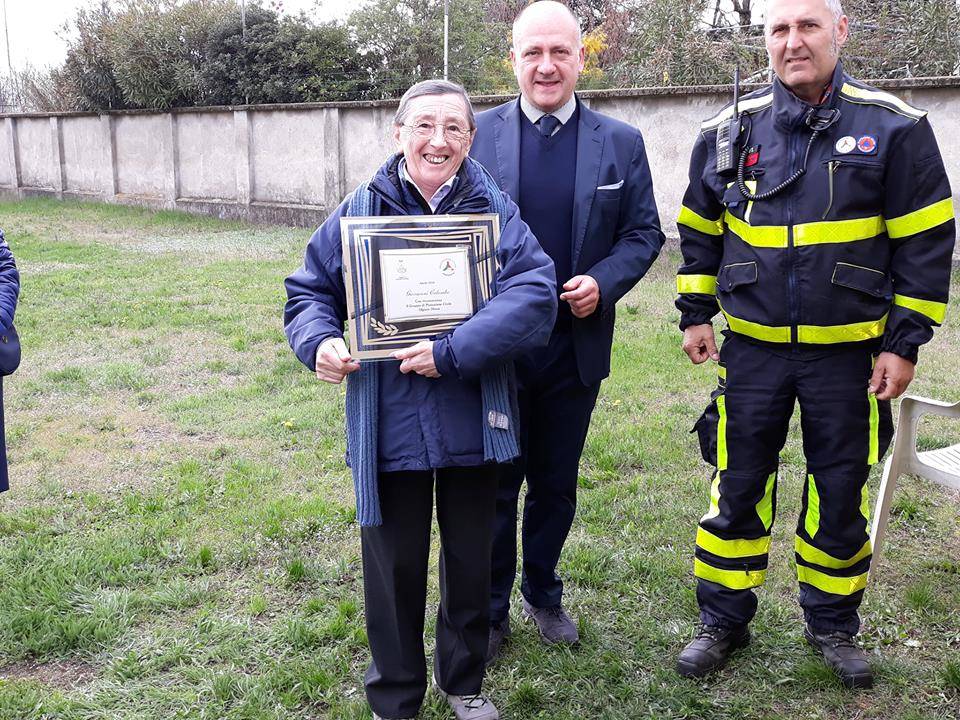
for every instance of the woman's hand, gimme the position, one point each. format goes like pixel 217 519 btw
pixel 334 362
pixel 418 358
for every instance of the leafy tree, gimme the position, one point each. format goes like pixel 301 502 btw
pixel 404 43
pixel 668 43
pixel 330 67
pixel 904 38
pixel 593 76
pixel 86 76
pixel 282 60
pixel 33 90
pixel 157 49
pixel 167 53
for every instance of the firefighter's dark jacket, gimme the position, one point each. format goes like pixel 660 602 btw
pixel 858 249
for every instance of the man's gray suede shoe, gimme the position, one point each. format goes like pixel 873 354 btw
pixel 554 624
pixel 499 632
pixel 468 707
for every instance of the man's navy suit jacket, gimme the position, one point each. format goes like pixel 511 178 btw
pixel 616 228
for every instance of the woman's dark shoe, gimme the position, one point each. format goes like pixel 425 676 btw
pixel 499 632
pixel 710 649
pixel 843 655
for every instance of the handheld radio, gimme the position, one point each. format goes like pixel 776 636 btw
pixel 729 133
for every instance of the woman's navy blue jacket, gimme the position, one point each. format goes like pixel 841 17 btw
pixel 429 423
pixel 9 291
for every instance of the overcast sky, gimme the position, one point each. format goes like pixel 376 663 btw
pixel 33 27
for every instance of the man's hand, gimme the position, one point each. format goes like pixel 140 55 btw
pixel 334 362
pixel 418 358
pixel 583 294
pixel 891 376
pixel 700 344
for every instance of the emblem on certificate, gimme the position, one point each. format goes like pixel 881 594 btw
pixel 414 278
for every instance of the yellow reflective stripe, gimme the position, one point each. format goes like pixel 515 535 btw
pixel 811 518
pixel 772 236
pixel 811 334
pixel 838 231
pixel 936 311
pixel 878 95
pixel 732 548
pixel 733 579
pixel 851 332
pixel 765 506
pixel 722 434
pixel 721 372
pixel 714 508
pixel 873 453
pixel 750 104
pixel 756 330
pixel 696 221
pixel 865 504
pixel 841 231
pixel 920 220
pixel 704 284
pixel 829 583
pixel 818 557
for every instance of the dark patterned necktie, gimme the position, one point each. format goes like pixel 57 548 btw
pixel 548 124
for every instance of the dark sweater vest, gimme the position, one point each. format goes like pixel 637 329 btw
pixel 548 171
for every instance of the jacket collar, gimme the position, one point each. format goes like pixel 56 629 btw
pixel 789 111
pixel 563 113
pixel 468 194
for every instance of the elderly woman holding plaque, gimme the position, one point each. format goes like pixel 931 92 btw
pixel 440 284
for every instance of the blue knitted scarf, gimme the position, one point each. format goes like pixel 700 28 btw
pixel 497 386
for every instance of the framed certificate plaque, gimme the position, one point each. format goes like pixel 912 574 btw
pixel 414 278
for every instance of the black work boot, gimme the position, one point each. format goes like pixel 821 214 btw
pixel 710 649
pixel 841 653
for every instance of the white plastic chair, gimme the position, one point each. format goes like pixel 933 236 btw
pixel 941 466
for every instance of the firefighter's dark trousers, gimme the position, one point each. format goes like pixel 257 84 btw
pixel 742 432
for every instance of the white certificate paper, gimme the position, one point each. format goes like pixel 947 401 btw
pixel 426 284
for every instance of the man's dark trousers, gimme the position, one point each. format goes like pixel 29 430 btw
pixel 395 559
pixel 845 430
pixel 555 410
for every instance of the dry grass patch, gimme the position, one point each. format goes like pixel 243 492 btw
pixel 60 674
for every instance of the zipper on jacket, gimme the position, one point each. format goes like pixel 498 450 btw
pixel 793 299
pixel 831 166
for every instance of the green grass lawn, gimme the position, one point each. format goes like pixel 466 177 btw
pixel 180 540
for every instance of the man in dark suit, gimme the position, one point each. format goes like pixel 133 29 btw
pixel 583 185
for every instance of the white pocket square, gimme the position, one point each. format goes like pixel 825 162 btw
pixel 615 186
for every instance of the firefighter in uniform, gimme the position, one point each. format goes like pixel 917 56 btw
pixel 828 250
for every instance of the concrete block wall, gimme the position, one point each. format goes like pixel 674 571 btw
pixel 294 163
pixel 206 147
pixel 87 161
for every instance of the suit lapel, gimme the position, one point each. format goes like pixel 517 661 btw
pixel 506 138
pixel 589 152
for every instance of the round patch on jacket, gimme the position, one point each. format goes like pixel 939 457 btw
pixel 845 144
pixel 867 144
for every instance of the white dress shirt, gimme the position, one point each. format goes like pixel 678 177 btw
pixel 563 113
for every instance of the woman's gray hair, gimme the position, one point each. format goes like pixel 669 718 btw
pixel 433 87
